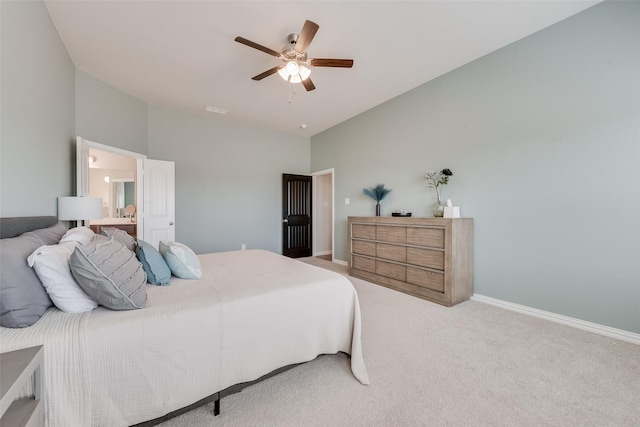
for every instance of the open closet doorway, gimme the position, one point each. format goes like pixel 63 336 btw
pixel 323 213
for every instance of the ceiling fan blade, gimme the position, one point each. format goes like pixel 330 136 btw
pixel 329 62
pixel 267 73
pixel 308 84
pixel 257 46
pixel 309 30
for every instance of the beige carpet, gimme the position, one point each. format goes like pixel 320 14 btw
pixel 470 365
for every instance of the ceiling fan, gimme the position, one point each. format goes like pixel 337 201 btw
pixel 294 67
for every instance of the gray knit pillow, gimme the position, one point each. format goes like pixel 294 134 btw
pixel 120 235
pixel 110 274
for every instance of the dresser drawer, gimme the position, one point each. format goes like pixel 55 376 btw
pixel 391 252
pixel 364 264
pixel 389 233
pixel 393 271
pixel 426 258
pixel 363 248
pixel 363 231
pixel 426 279
pixel 430 237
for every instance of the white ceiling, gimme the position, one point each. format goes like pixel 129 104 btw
pixel 182 54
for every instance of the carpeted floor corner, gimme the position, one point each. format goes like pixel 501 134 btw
pixel 469 365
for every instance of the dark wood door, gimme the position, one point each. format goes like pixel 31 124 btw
pixel 296 215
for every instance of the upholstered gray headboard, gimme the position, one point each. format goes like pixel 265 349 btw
pixel 12 227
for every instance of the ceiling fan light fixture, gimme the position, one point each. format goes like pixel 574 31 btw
pixel 295 64
pixel 304 72
pixel 292 68
pixel 283 73
pixel 293 72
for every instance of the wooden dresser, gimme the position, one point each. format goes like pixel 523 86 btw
pixel 431 258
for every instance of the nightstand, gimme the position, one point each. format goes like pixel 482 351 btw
pixel 16 368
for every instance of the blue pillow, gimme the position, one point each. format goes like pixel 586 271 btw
pixel 158 272
pixel 182 261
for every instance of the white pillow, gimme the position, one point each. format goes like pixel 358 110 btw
pixel 51 263
pixel 82 235
pixel 182 261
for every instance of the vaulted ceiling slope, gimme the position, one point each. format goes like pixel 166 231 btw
pixel 182 54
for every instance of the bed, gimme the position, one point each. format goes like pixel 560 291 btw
pixel 252 313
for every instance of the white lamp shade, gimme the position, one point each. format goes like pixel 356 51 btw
pixel 79 208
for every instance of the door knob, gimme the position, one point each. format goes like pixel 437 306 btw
pixel 285 220
pixel 171 223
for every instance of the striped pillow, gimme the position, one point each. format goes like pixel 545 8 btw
pixel 110 274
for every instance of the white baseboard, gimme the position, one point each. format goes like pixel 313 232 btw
pixel 565 320
pixel 341 262
pixel 318 253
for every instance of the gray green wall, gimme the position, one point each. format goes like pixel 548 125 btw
pixel 37 112
pixel 108 116
pixel 543 137
pixel 228 179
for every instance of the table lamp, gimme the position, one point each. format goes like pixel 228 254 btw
pixel 79 209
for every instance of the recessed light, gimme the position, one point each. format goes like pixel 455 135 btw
pixel 216 110
pixel 303 126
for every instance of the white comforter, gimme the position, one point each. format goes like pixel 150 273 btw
pixel 252 312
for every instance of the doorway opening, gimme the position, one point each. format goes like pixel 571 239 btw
pixel 98 169
pixel 323 214
pixel 149 213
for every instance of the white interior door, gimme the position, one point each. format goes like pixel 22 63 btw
pixel 159 201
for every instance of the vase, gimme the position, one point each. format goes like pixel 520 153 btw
pixel 377 209
pixel 438 208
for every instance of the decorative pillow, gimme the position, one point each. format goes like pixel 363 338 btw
pixel 99 238
pixel 51 263
pixel 23 298
pixel 158 272
pixel 182 261
pixel 110 274
pixel 50 235
pixel 82 235
pixel 122 236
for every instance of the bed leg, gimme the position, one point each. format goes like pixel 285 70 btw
pixel 216 407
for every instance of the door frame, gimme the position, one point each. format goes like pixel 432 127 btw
pixel 314 225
